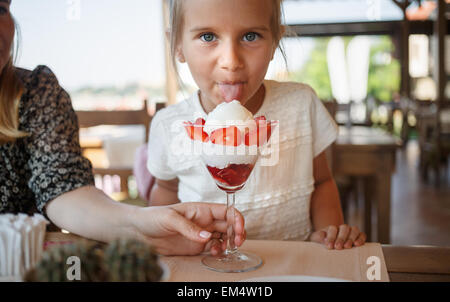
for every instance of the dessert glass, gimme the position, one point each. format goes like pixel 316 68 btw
pixel 230 157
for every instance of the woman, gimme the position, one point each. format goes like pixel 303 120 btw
pixel 42 169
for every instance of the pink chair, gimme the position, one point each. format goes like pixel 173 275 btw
pixel 144 180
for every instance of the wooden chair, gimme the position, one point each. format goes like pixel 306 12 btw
pixel 345 110
pixel 142 117
pixel 434 138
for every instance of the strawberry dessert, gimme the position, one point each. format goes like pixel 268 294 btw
pixel 230 137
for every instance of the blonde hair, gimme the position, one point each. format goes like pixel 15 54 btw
pixel 176 25
pixel 10 92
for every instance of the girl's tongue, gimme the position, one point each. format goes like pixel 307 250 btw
pixel 231 92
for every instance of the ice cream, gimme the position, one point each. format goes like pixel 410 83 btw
pixel 232 113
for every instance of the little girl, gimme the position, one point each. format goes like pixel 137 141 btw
pixel 228 45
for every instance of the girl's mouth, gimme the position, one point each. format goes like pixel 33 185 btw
pixel 231 91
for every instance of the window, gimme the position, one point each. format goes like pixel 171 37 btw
pixel 106 54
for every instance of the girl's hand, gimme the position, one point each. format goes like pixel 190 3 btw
pixel 339 237
pixel 186 228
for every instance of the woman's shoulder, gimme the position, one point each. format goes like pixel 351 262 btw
pixel 42 95
pixel 41 76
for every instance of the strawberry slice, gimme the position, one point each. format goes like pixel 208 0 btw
pixel 230 136
pixel 264 133
pixel 261 134
pixel 200 121
pixel 196 133
pixel 260 118
pixel 251 138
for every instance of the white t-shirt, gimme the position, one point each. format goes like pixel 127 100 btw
pixel 276 199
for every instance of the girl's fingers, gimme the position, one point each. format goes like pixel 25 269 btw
pixel 344 231
pixel 354 232
pixel 361 239
pixel 331 236
pixel 318 236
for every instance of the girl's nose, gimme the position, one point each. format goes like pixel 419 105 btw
pixel 230 57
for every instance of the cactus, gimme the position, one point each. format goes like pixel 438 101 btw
pixel 131 261
pixel 121 260
pixel 53 267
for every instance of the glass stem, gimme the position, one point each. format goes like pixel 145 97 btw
pixel 231 247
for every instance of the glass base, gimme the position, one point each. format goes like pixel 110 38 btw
pixel 235 262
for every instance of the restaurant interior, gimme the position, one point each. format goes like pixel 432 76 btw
pixel 387 88
pixel 407 135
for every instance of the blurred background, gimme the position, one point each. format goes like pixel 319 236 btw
pixel 380 66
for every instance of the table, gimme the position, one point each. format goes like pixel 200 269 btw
pixel 369 152
pixel 417 263
pixel 403 263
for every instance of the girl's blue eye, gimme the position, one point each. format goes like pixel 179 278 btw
pixel 3 10
pixel 207 37
pixel 250 37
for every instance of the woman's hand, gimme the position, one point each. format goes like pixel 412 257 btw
pixel 339 237
pixel 186 228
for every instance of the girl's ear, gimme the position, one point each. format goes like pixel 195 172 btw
pixel 180 55
pixel 178 52
pixel 167 34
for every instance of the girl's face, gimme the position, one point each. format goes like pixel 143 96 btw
pixel 228 45
pixel 6 32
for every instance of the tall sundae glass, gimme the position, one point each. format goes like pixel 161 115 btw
pixel 229 142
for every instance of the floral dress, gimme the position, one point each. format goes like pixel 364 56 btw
pixel 38 168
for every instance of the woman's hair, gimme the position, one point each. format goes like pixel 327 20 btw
pixel 176 25
pixel 10 92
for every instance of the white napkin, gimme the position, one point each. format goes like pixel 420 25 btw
pixel 21 244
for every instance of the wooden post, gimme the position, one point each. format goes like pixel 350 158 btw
pixel 171 77
pixel 440 31
pixel 439 74
pixel 405 86
pixel 406 80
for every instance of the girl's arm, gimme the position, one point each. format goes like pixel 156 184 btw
pixel 325 203
pixel 326 212
pixel 164 192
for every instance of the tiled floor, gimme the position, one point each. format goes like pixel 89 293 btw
pixel 420 212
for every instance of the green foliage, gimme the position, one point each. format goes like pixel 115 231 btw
pixel 315 71
pixel 384 70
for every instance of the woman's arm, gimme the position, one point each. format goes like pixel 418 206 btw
pixel 180 229
pixel 164 192
pixel 89 212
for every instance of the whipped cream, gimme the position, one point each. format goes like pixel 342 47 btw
pixel 229 114
pixel 224 115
